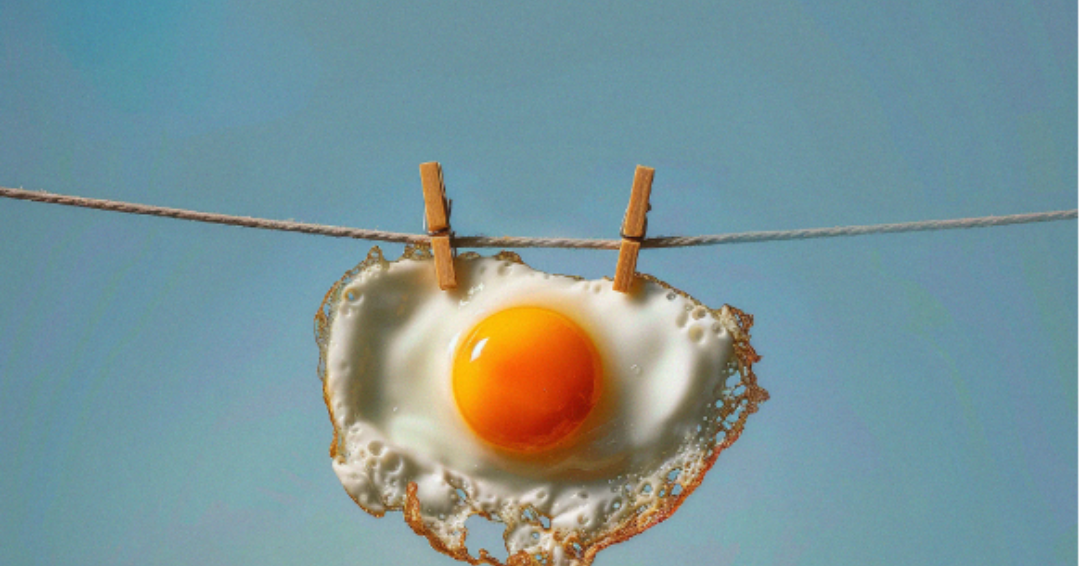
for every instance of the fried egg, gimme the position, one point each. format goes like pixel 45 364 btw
pixel 573 415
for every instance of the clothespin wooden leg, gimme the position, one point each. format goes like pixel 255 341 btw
pixel 633 229
pixel 438 223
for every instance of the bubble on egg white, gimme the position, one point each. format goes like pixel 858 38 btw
pixel 674 399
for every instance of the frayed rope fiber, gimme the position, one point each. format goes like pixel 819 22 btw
pixel 521 242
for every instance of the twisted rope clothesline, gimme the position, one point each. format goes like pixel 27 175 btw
pixel 525 242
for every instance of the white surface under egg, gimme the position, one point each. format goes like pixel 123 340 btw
pixel 677 388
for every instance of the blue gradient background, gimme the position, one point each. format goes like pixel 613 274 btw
pixel 159 402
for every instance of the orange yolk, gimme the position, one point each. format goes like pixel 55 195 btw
pixel 526 377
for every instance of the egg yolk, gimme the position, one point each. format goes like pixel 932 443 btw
pixel 526 377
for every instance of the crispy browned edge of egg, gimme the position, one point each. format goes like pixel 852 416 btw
pixel 749 399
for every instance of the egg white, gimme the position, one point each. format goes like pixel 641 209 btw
pixel 388 336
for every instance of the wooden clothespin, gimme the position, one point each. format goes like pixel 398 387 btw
pixel 633 228
pixel 437 216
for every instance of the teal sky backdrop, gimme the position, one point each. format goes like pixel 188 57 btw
pixel 159 402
